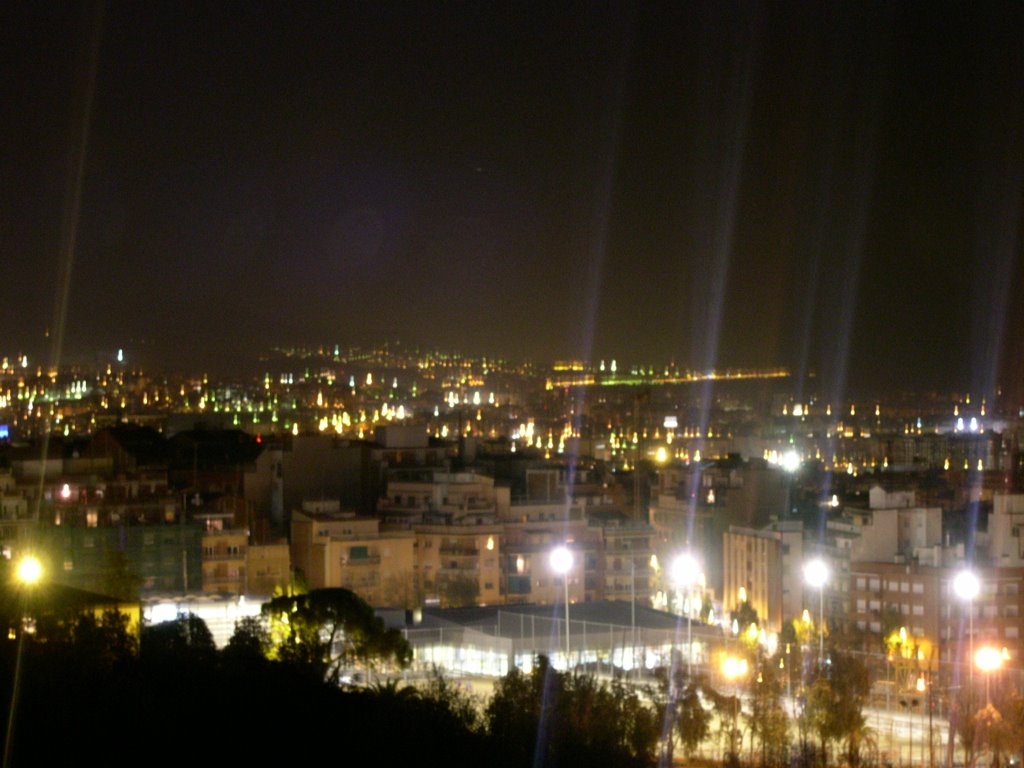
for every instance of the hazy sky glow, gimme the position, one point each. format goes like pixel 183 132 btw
pixel 833 187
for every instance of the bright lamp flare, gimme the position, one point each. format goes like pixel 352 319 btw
pixel 734 667
pixel 561 560
pixel 29 570
pixel 790 461
pixel 816 573
pixel 685 570
pixel 966 585
pixel 988 659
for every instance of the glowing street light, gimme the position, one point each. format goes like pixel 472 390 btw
pixel 734 668
pixel 790 461
pixel 816 575
pixel 988 660
pixel 967 587
pixel 561 562
pixel 29 570
pixel 685 572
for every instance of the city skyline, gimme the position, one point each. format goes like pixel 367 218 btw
pixel 828 188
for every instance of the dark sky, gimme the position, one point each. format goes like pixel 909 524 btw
pixel 836 187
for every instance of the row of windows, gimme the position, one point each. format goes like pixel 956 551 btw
pixel 220 574
pixel 213 551
pixel 1010 632
pixel 905 609
pixel 906 587
pixel 917 587
pixel 876 626
pixel 908 609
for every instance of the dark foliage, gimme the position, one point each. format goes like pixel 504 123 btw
pixel 250 642
pixel 325 631
pixel 185 637
pixel 180 701
pixel 88 693
pixel 552 719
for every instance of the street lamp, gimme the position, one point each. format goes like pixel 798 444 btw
pixel 816 576
pixel 921 686
pixel 27 573
pixel 910 704
pixel 734 668
pixel 685 573
pixel 561 563
pixel 29 570
pixel 989 660
pixel 967 587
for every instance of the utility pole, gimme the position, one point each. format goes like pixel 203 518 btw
pixel 931 736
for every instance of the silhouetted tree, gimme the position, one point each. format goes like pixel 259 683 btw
pixel 327 630
pixel 250 640
pixel 769 723
pixel 119 579
pixel 458 591
pixel 693 719
pixel 1013 714
pixel 403 590
pixel 552 719
pixel 185 637
pixel 745 615
pixel 835 704
pixel 463 706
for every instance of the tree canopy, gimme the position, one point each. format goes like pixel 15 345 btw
pixel 555 719
pixel 326 631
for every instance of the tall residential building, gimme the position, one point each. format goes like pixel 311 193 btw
pixel 459 564
pixel 336 549
pixel 921 598
pixel 763 566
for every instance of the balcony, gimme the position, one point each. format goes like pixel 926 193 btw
pixel 223 556
pixel 211 580
pixel 219 532
pixel 459 550
pixel 366 560
pixel 471 571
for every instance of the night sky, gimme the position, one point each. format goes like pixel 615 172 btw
pixel 836 187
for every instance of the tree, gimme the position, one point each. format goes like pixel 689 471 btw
pixel 462 706
pixel 964 723
pixel 103 640
pixel 458 591
pixel 119 579
pixel 769 723
pixel 326 631
pixel 513 715
pixel 745 615
pixel 250 640
pixel 403 590
pixel 692 720
pixel 992 732
pixel 729 710
pixel 908 656
pixel 185 637
pixel 1013 718
pixel 835 703
pixel 683 701
pixel 560 720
